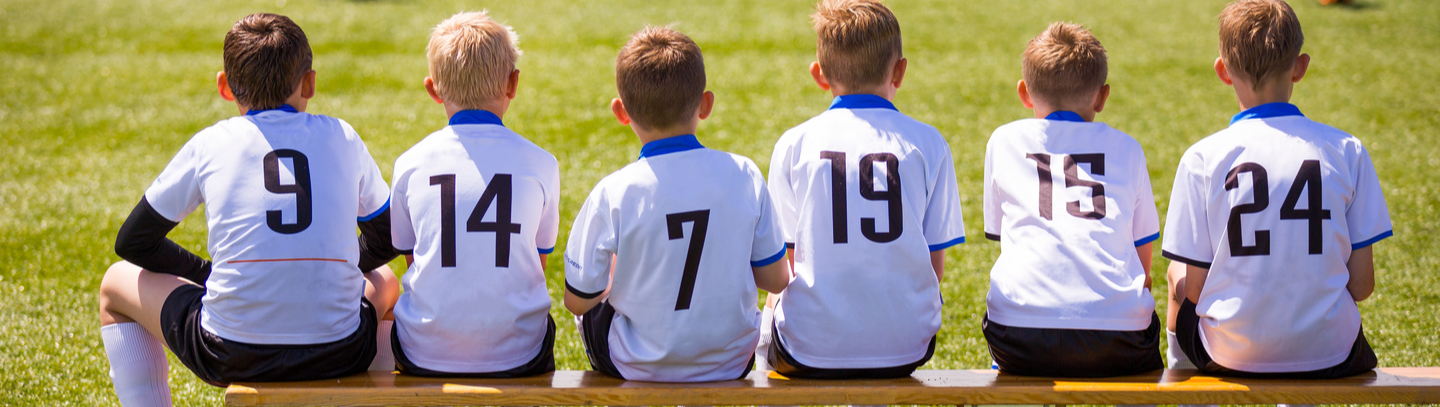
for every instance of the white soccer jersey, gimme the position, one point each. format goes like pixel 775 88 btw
pixel 1273 206
pixel 864 193
pixel 476 203
pixel 1069 202
pixel 685 225
pixel 282 191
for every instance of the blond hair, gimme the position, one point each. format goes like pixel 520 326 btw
pixel 859 41
pixel 660 74
pixel 1064 65
pixel 1259 39
pixel 471 57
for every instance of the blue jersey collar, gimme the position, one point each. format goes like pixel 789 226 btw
pixel 475 117
pixel 1065 116
pixel 1267 110
pixel 283 108
pixel 861 101
pixel 670 145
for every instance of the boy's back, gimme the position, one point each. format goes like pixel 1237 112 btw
pixel 683 302
pixel 865 194
pixel 1273 207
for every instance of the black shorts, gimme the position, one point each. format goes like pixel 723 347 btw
pixel 782 362
pixel 219 361
pixel 1187 333
pixel 595 335
pixel 1050 352
pixel 542 363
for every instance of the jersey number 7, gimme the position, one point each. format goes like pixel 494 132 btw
pixel 497 191
pixel 674 224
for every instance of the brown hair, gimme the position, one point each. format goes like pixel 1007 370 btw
pixel 266 56
pixel 661 77
pixel 1064 65
pixel 1259 39
pixel 471 57
pixel 859 41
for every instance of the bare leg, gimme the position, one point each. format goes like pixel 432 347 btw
pixel 1175 275
pixel 129 294
pixel 130 303
pixel 382 289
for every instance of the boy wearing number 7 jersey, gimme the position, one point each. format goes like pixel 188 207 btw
pixel 1069 200
pixel 1271 221
pixel 476 210
pixel 665 257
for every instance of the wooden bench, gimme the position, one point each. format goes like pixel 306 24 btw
pixel 928 387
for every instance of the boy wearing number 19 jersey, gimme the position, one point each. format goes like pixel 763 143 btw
pixel 1271 221
pixel 1069 200
pixel 665 256
pixel 477 208
pixel 867 196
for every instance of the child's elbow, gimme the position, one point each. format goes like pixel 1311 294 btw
pixel 1361 292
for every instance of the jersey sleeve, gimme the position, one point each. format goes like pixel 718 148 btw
pixel 1368 218
pixel 989 196
pixel 1145 225
pixel 176 192
pixel 549 229
pixel 1187 231
pixel 402 227
pixel 782 193
pixel 944 225
pixel 768 245
pixel 374 193
pixel 592 244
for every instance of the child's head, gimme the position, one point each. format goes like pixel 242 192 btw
pixel 661 78
pixel 858 45
pixel 1064 68
pixel 266 58
pixel 1260 42
pixel 472 62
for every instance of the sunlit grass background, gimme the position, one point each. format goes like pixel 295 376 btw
pixel 97 95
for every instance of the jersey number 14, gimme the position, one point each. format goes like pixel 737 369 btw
pixel 498 191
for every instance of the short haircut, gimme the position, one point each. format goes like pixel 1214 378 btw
pixel 1259 39
pixel 266 57
pixel 471 57
pixel 859 41
pixel 661 78
pixel 1064 65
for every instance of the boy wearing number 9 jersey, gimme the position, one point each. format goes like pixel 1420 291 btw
pixel 476 211
pixel 665 257
pixel 867 197
pixel 1271 221
pixel 1070 202
pixel 290 294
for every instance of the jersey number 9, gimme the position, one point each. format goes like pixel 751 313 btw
pixel 301 190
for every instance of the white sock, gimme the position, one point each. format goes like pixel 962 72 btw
pixel 1173 355
pixel 384 355
pixel 762 349
pixel 138 368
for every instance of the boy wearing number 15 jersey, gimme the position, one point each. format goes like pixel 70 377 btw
pixel 665 256
pixel 476 207
pixel 867 196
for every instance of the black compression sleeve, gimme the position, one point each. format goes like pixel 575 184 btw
pixel 375 248
pixel 142 241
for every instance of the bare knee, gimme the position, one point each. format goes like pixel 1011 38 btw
pixel 121 277
pixel 1175 275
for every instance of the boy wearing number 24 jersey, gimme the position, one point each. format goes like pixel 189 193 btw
pixel 1069 200
pixel 867 195
pixel 476 207
pixel 665 256
pixel 1271 221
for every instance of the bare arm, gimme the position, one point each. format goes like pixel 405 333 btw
pixel 543 262
pixel 1194 281
pixel 1145 252
pixel 937 262
pixel 772 277
pixel 1362 274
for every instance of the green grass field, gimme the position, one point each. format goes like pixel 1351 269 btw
pixel 97 95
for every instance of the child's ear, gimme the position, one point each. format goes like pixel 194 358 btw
pixel 430 88
pixel 512 84
pixel 819 76
pixel 307 85
pixel 1223 72
pixel 1100 98
pixel 1302 63
pixel 897 73
pixel 707 102
pixel 618 107
pixel 1024 95
pixel 224 87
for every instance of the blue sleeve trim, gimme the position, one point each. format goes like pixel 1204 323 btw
pixel 382 209
pixel 581 294
pixel 946 245
pixel 769 260
pixel 1370 241
pixel 547 251
pixel 1147 239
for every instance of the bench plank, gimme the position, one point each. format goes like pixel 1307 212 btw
pixel 930 387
